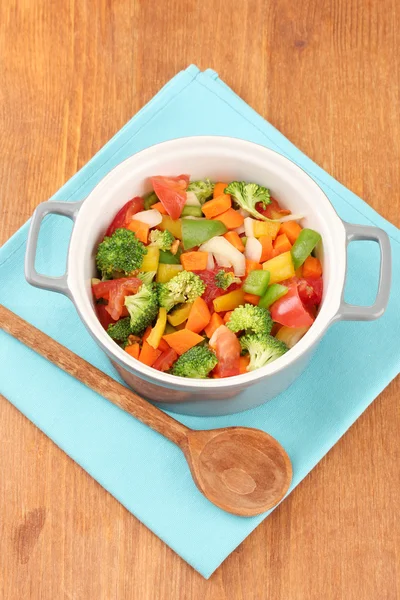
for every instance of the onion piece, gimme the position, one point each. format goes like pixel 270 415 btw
pixel 290 218
pixel 243 212
pixel 225 254
pixel 239 230
pixel 222 261
pixel 253 249
pixel 152 217
pixel 210 261
pixel 191 199
pixel 248 227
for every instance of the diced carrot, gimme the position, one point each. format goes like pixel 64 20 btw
pixel 236 241
pixel 252 299
pixel 215 207
pixel 267 248
pixel 141 230
pixel 194 261
pixel 163 345
pixel 291 229
pixel 281 244
pixel 148 355
pixel 219 189
pixel 160 207
pixel 199 316
pixel 243 363
pixel 133 350
pixel 227 316
pixel 214 323
pixel 230 218
pixel 312 267
pixel 146 333
pixel 183 340
pixel 252 265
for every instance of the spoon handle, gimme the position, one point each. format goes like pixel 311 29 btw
pixel 92 377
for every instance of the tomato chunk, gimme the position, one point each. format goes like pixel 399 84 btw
pixel 290 311
pixel 227 348
pixel 272 210
pixel 115 291
pixel 172 193
pixel 165 361
pixel 310 291
pixel 125 214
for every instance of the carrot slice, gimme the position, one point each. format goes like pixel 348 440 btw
pixel 218 205
pixel 230 218
pixel 234 239
pixel 194 261
pixel 148 355
pixel 267 248
pixel 312 267
pixel 227 316
pixel 141 230
pixel 199 316
pixel 252 265
pixel 219 189
pixel 281 244
pixel 133 350
pixel 252 299
pixel 213 325
pixel 183 340
pixel 291 229
pixel 160 207
pixel 243 363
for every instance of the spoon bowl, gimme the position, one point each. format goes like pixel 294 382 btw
pixel 242 470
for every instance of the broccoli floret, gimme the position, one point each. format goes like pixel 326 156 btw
pixel 121 252
pixel 248 194
pixel 161 239
pixel 202 189
pixel 252 319
pixel 223 279
pixel 195 363
pixel 263 349
pixel 142 308
pixel 120 331
pixel 146 276
pixel 184 287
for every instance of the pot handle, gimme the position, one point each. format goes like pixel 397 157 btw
pixel 65 209
pixel 350 312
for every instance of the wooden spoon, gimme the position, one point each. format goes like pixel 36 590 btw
pixel 242 470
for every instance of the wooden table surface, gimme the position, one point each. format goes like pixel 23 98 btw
pixel 327 75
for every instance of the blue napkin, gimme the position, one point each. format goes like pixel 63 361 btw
pixel 146 473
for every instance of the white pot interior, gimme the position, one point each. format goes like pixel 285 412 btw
pixel 220 159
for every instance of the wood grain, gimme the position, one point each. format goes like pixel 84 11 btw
pixel 327 75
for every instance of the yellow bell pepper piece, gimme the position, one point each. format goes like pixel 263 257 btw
pixel 158 330
pixel 229 301
pixel 180 315
pixel 151 259
pixel 266 228
pixel 174 227
pixel 167 272
pixel 280 268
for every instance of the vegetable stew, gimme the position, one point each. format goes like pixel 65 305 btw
pixel 206 279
